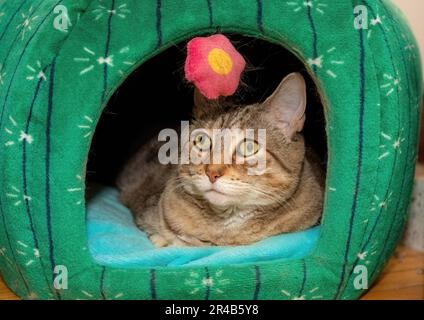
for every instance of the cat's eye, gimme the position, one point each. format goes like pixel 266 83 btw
pixel 248 148
pixel 202 141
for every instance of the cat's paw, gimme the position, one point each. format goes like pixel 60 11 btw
pixel 158 240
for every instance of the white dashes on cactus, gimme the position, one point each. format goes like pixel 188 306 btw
pixel 86 294
pixel 327 62
pixel 381 204
pixel 26 25
pixel 410 48
pixel 93 60
pixel 78 188
pixel 119 295
pixel 310 295
pixel 365 256
pixel 36 72
pixel 393 83
pixel 32 254
pixel 214 283
pixel 3 254
pixel 391 144
pixel 375 23
pixel 299 5
pixel 125 63
pixel 2 75
pixel 87 126
pixel 17 196
pixel 102 10
pixel 16 135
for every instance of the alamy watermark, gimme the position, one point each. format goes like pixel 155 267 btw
pixel 361 17
pixel 360 282
pixel 61 22
pixel 214 146
pixel 60 281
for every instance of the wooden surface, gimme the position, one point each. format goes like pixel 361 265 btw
pixel 420 171
pixel 403 279
pixel 5 293
pixel 421 157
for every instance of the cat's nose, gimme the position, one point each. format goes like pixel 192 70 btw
pixel 214 172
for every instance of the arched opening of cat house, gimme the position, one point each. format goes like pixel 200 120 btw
pixel 156 96
pixel 56 88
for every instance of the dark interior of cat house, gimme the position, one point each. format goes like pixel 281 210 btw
pixel 157 96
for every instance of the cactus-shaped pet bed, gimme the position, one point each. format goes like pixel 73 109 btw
pixel 56 81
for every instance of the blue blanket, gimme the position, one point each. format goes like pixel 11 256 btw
pixel 114 240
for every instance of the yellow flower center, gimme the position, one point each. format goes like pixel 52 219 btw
pixel 220 61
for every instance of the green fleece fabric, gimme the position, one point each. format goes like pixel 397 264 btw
pixel 55 83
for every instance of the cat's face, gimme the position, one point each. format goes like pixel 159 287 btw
pixel 244 169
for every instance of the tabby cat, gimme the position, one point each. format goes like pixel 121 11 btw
pixel 221 204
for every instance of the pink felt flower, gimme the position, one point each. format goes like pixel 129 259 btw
pixel 214 66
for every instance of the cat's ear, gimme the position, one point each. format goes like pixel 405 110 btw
pixel 287 105
pixel 202 105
